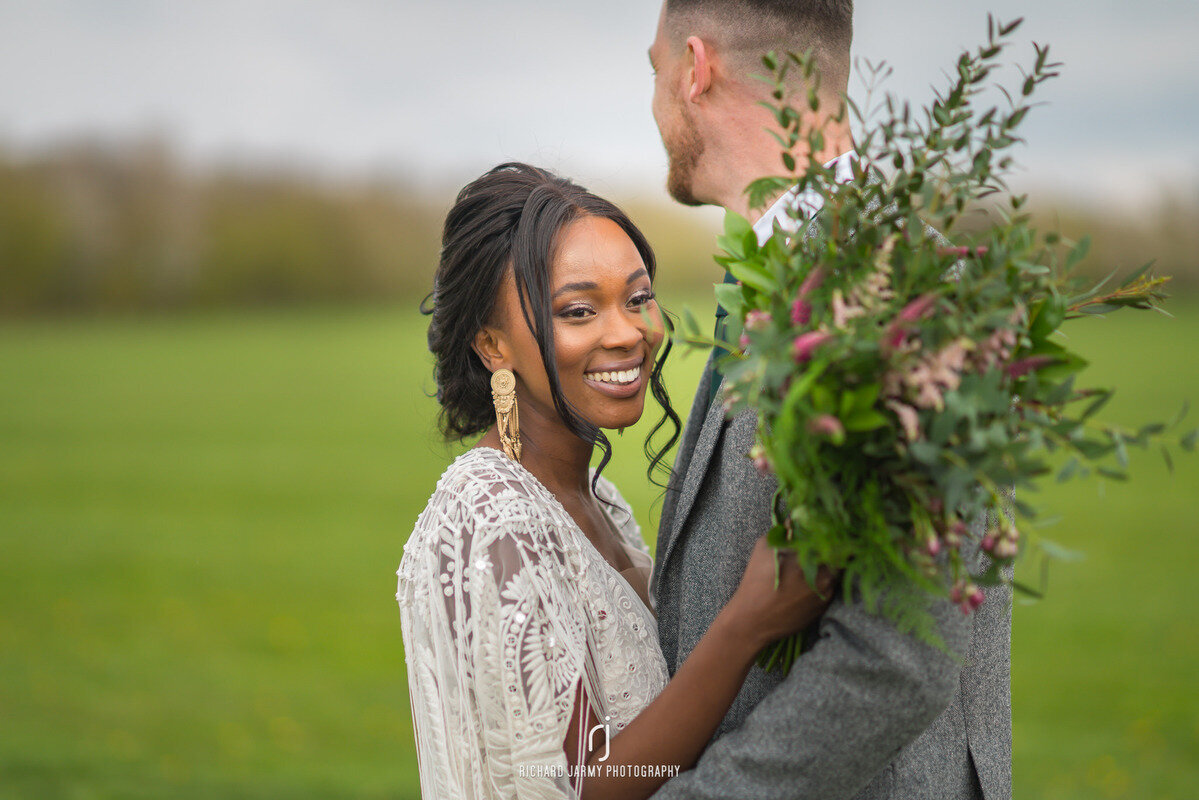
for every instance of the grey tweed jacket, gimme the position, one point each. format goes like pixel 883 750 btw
pixel 867 712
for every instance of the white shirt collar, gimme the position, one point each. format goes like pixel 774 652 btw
pixel 809 202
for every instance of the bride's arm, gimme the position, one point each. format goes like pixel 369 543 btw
pixel 674 728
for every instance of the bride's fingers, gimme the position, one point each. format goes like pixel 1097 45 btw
pixel 825 580
pixel 789 564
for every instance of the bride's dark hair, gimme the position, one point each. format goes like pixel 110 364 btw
pixel 509 219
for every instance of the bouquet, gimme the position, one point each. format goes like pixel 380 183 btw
pixel 907 376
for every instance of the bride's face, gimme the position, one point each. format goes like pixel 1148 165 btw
pixel 607 328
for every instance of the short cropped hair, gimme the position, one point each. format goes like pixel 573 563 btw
pixel 747 29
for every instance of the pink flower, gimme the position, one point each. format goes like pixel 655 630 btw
pixel 826 425
pixel 967 596
pixel 922 382
pixel 1005 548
pixel 757 320
pixel 932 546
pixel 843 310
pixel 744 341
pixel 806 343
pixel 958 593
pixel 757 454
pixel 908 419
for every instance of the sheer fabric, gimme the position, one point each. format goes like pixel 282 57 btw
pixel 507 611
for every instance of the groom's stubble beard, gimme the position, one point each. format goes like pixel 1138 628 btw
pixel 683 152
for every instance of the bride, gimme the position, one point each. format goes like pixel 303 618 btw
pixel 533 660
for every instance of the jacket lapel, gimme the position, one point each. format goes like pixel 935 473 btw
pixel 693 477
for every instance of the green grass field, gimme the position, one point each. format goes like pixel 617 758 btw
pixel 200 520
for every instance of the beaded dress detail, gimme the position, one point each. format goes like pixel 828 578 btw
pixel 506 609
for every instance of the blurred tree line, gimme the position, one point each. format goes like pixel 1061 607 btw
pixel 87 227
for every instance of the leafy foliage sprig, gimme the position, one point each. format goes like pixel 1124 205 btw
pixel 907 376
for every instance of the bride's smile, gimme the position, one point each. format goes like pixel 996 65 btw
pixel 607 328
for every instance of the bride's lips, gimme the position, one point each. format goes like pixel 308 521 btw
pixel 619 391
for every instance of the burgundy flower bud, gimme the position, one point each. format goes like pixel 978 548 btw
pixel 894 337
pixel 801 312
pixel 1027 365
pixel 976 597
pixel 988 542
pixel 806 343
pixel 962 251
pixel 812 282
pixel 956 594
pixel 918 307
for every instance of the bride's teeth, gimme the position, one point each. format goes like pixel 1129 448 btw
pixel 623 376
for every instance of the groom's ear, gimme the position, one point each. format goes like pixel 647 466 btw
pixel 489 347
pixel 700 75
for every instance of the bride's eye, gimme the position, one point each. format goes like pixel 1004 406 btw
pixel 574 312
pixel 641 298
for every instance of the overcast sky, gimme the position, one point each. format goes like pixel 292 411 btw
pixel 442 90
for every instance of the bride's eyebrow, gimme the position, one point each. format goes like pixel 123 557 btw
pixel 582 286
pixel 586 286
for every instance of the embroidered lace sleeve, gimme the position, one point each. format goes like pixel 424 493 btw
pixel 495 637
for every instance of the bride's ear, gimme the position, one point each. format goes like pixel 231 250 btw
pixel 490 349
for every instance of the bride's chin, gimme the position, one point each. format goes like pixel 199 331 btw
pixel 619 422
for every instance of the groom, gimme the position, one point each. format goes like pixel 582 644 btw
pixel 866 712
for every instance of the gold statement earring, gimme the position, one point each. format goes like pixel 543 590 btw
pixel 503 394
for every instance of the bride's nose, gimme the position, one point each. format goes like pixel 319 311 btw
pixel 622 332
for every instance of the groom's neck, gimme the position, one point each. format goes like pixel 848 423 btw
pixel 757 155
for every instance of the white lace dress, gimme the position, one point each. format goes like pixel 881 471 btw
pixel 506 609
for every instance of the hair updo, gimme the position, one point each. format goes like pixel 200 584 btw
pixel 509 219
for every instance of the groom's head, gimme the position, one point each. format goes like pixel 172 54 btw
pixel 705 56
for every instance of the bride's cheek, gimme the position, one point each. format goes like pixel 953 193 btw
pixel 654 337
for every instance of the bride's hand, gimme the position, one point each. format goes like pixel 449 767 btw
pixel 766 613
